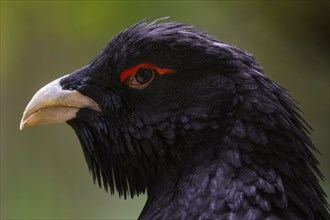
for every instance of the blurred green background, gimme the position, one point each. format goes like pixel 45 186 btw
pixel 43 172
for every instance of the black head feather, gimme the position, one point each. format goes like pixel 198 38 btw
pixel 217 110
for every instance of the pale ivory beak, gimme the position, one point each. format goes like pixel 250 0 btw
pixel 51 104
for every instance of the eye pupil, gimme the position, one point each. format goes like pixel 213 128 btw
pixel 144 75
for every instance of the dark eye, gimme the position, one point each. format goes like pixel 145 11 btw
pixel 141 78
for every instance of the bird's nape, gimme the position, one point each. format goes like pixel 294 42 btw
pixel 194 122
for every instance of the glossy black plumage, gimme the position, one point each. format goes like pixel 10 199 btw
pixel 217 139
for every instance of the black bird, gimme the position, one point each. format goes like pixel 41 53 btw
pixel 194 122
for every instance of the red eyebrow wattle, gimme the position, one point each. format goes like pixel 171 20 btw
pixel 128 72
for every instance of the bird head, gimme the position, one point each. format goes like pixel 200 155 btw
pixel 161 92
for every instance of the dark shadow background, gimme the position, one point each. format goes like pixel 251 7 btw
pixel 43 172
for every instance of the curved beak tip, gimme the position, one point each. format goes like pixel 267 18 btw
pixel 22 124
